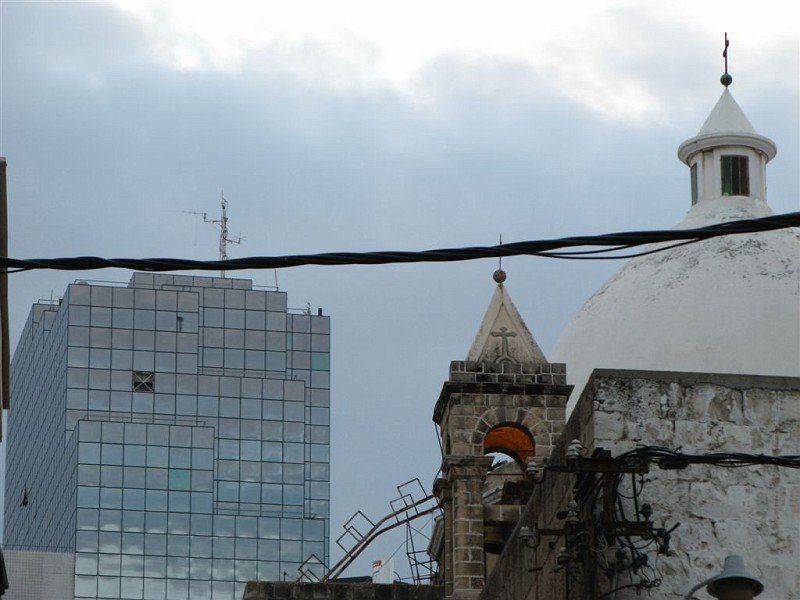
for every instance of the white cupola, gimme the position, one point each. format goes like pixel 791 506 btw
pixel 725 305
pixel 727 158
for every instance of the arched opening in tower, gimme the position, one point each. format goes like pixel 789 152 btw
pixel 510 440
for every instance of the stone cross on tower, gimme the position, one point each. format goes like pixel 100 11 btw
pixel 505 398
pixel 504 333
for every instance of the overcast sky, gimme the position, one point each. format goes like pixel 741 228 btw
pixel 359 126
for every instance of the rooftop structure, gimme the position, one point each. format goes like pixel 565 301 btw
pixel 725 305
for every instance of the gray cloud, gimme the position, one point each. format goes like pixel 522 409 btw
pixel 106 147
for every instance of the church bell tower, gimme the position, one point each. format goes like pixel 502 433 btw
pixel 504 400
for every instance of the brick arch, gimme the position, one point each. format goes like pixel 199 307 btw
pixel 511 439
pixel 524 418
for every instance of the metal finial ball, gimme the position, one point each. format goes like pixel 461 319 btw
pixel 726 79
pixel 499 276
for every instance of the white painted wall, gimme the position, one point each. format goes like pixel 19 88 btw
pixel 751 511
pixel 725 305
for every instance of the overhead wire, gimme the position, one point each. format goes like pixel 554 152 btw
pixel 672 459
pixel 609 243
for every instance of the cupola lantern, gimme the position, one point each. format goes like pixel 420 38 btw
pixel 727 157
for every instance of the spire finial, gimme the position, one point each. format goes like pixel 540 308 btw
pixel 726 78
pixel 499 276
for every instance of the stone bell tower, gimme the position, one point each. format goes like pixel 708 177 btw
pixel 504 398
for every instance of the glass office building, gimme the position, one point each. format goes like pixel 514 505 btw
pixel 173 434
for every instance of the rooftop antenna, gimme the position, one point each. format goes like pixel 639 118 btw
pixel 726 78
pixel 222 225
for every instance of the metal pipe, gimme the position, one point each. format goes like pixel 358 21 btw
pixel 5 352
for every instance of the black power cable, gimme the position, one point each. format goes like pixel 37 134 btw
pixel 611 242
pixel 672 459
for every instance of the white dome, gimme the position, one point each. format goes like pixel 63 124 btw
pixel 725 305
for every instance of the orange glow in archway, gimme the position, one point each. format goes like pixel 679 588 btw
pixel 511 440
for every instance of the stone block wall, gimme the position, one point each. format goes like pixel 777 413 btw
pixel 526 573
pixel 281 590
pixel 481 395
pixel 753 511
pixel 478 397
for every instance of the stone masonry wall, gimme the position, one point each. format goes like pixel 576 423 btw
pixel 281 590
pixel 525 573
pixel 480 395
pixel 753 511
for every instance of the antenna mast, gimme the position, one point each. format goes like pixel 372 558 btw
pixel 222 225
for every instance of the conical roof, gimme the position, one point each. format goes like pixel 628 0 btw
pixel 503 335
pixel 726 117
pixel 727 125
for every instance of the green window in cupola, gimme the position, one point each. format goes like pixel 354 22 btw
pixel 735 180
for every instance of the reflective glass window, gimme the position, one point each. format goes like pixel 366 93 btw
pixel 293 494
pixel 320 361
pixel 132 521
pixel 157 456
pixel 293 432
pixel 88 497
pixel 79 315
pixel 234 338
pixel 122 318
pixel 293 473
pixel 187 342
pixel 108 564
pixel 271 451
pixel 180 501
pixel 78 336
pixel 213 317
pixel 109 542
pixel 133 565
pixel 293 453
pixel 234 358
pixel 133 499
pixel 144 319
pixel 256 340
pixel 180 479
pixel 89 453
pixel 85 586
pixel 228 491
pixel 110 520
pixel 200 546
pixel 202 458
pixel 272 409
pixel 122 339
pixel 250 428
pixel 275 361
pixel 86 564
pixel 156 500
pixel 276 321
pixel 155 522
pixel 290 550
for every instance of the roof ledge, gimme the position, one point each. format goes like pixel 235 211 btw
pixel 699 143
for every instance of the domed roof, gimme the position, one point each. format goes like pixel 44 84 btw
pixel 725 305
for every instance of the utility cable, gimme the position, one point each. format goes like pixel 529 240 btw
pixel 610 242
pixel 671 459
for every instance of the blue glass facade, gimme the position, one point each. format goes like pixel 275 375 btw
pixel 173 434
